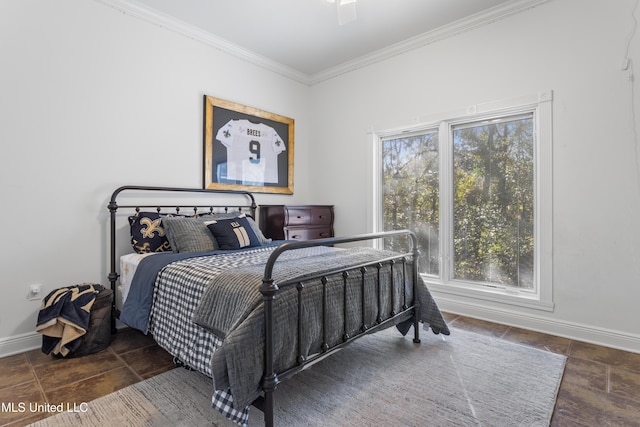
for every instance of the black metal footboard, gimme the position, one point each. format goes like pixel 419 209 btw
pixel 270 290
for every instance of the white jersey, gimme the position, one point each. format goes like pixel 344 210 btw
pixel 252 151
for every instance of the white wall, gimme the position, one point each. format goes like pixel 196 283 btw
pixel 573 47
pixel 91 99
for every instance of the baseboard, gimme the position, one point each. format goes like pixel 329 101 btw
pixel 575 331
pixel 20 343
pixel 26 342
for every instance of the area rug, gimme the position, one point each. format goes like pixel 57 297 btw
pixel 384 379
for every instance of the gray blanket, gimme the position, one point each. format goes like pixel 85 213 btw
pixel 232 308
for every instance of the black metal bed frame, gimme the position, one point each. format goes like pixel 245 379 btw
pixel 270 289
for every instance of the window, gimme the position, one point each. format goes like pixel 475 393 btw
pixel 493 201
pixel 476 191
pixel 411 193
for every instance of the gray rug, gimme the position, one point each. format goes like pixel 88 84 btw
pixel 465 379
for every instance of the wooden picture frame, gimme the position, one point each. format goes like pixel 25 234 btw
pixel 246 148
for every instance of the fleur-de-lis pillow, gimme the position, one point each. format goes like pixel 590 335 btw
pixel 147 233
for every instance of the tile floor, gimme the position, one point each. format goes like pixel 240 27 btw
pixel 35 377
pixel 600 386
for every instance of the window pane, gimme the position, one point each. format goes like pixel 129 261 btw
pixel 410 194
pixel 493 211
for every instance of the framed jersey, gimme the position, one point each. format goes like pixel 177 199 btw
pixel 246 148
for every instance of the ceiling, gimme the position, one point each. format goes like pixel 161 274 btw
pixel 302 38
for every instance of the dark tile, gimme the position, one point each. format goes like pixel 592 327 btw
pixel 595 408
pixel 130 339
pixel 28 419
pixel 538 340
pixel 37 358
pixel 94 387
pixel 561 420
pixel 625 383
pixel 159 371
pixel 148 359
pixel 60 372
pixel 479 326
pixel 585 373
pixel 20 397
pixel 611 356
pixel 15 370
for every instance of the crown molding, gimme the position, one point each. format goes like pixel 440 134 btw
pixel 132 8
pixel 153 16
pixel 468 23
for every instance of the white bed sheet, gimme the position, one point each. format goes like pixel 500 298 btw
pixel 128 265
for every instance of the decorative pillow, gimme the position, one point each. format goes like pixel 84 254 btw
pixel 147 233
pixel 254 226
pixel 190 234
pixel 252 223
pixel 234 233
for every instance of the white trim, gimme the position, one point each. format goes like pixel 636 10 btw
pixel 544 196
pixel 146 13
pixel 499 295
pixel 130 7
pixel 17 344
pixel 463 25
pixel 20 343
pixel 374 182
pixel 571 330
pixel 540 103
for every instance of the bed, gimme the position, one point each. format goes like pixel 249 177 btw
pixel 244 310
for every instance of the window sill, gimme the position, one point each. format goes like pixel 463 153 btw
pixel 497 295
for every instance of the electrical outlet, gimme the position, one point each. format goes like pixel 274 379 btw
pixel 34 292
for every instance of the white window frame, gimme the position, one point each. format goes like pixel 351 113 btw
pixel 540 104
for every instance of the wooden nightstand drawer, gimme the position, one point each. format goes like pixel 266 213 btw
pixel 321 215
pixel 311 233
pixel 297 216
pixel 296 222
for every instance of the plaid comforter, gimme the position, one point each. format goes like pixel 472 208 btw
pixel 178 289
pixel 181 286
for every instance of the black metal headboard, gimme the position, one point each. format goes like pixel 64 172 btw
pixel 248 205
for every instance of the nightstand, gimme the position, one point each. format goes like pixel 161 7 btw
pixel 296 222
